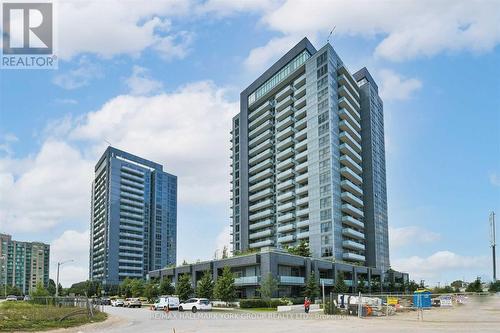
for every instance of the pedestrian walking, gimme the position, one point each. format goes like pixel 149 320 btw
pixel 307 305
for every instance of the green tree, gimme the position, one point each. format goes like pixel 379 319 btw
pixel 183 287
pixel 51 288
pixel 205 287
pixel 40 291
pixel 413 286
pixel 494 287
pixel 311 290
pixel 166 287
pixel 268 287
pixel 224 253
pixel 61 290
pixel 126 287
pixel 302 249
pixel 340 287
pixel 136 287
pixel 78 288
pixel 457 284
pixel 224 286
pixel 151 290
pixel 474 287
pixel 362 285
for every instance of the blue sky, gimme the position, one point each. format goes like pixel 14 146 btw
pixel 162 80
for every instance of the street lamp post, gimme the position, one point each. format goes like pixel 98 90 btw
pixel 59 264
pixel 493 243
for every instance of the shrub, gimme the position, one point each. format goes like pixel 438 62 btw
pixel 260 303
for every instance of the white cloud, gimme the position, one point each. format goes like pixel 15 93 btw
pixel 409 29
pixel 66 101
pixel 395 87
pixel 70 245
pixel 141 83
pixel 494 179
pixel 113 27
pixel 223 240
pixel 442 266
pixel 80 76
pixel 411 235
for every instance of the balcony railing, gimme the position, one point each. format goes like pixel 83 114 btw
pixel 260 224
pixel 246 280
pixel 352 233
pixel 349 174
pixel 352 199
pixel 292 279
pixel 349 244
pixel 351 221
pixel 267 242
pixel 350 186
pixel 349 209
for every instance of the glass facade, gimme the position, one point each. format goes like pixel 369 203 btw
pixel 134 218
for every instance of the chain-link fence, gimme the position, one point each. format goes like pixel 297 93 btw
pixel 420 306
pixel 80 305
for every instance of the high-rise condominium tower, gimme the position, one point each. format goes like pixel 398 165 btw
pixel 308 160
pixel 133 227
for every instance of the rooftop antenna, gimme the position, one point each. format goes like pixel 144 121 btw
pixel 109 143
pixel 330 35
pixel 493 243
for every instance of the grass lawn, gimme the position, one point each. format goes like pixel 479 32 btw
pixel 259 310
pixel 17 316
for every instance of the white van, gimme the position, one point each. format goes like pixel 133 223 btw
pixel 163 302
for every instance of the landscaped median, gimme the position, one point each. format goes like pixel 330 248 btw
pixel 26 316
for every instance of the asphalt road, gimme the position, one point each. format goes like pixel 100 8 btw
pixel 474 317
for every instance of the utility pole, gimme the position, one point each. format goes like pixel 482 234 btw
pixel 59 264
pixel 493 244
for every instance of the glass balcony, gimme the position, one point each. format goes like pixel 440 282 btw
pixel 343 70
pixel 288 90
pixel 267 242
pixel 351 221
pixel 286 239
pixel 302 190
pixel 259 120
pixel 260 205
pixel 350 186
pixel 288 121
pixel 261 175
pixel 349 244
pixel 347 138
pixel 288 111
pixel 286 196
pixel 302 224
pixel 289 131
pixel 301 157
pixel 349 209
pixel 352 233
pixel 302 201
pixel 300 92
pixel 261 166
pixel 344 92
pixel 303 212
pixel 300 81
pixel 286 217
pixel 292 279
pixel 303 235
pixel 326 282
pixel 261 156
pixel 349 162
pixel 260 234
pixel 286 164
pixel 286 227
pixel 284 103
pixel 353 200
pixel 246 280
pixel 302 178
pixel 261 224
pixel 345 104
pixel 259 129
pixel 343 80
pixel 286 207
pixel 347 173
pixel 285 154
pixel 286 174
pixel 261 185
pixel 261 194
pixel 300 103
pixel 288 142
pixel 347 150
pixel 300 124
pixel 301 134
pixel 353 257
pixel 259 111
pixel 345 115
pixel 301 146
pixel 260 138
pixel 261 147
pixel 346 127
pixel 301 167
pixel 260 215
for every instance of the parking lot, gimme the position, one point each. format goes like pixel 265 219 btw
pixel 482 315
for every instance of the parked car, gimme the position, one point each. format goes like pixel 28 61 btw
pixel 27 298
pixel 11 298
pixel 132 303
pixel 163 302
pixel 195 304
pixel 105 301
pixel 117 302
